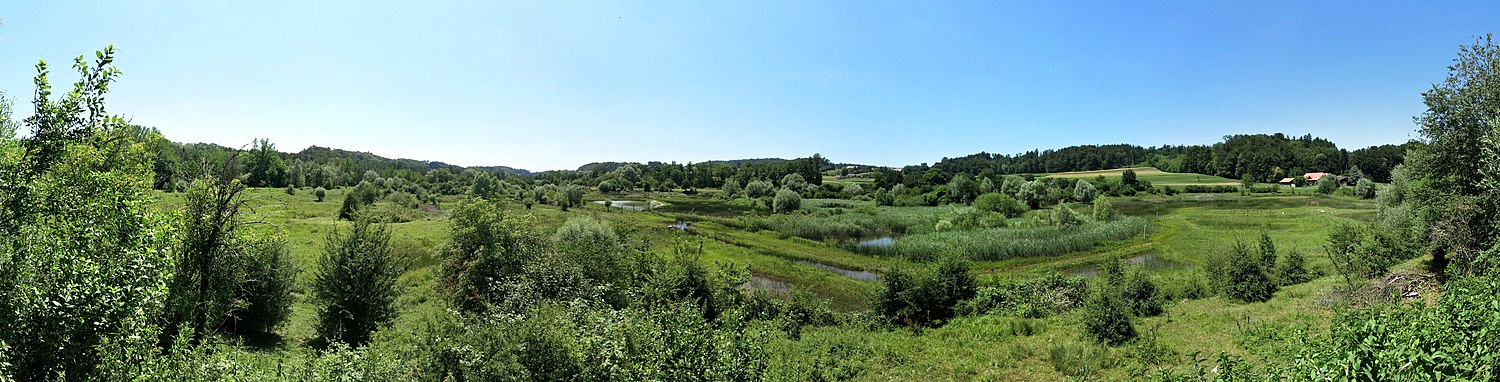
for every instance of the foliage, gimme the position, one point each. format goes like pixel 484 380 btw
pixel 485 261
pixel 787 200
pixel 759 189
pixel 1238 273
pixel 1063 216
pixel 1106 318
pixel 320 193
pixel 1364 188
pixel 355 286
pixel 265 166
pixel 1033 194
pixel 1009 243
pixel 1085 192
pixel 1361 252
pixel 1037 298
pixel 1103 210
pixel 731 189
pixel 1000 203
pixel 1327 185
pixel 926 297
pixel 84 264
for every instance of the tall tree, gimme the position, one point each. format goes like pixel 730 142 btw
pixel 265 165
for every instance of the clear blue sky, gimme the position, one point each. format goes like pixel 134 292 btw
pixel 553 84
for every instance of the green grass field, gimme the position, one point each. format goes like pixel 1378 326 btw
pixel 1155 176
pixel 1182 230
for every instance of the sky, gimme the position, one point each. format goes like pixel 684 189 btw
pixel 546 85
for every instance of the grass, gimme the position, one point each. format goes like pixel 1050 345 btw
pixel 997 244
pixel 1184 228
pixel 1155 176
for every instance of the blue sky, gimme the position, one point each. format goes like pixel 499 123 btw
pixel 556 84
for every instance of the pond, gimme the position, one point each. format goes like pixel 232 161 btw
pixel 769 285
pixel 1150 260
pixel 862 275
pixel 883 241
pixel 633 205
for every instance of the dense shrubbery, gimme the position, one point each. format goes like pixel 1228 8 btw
pixel 1037 298
pixel 926 297
pixel 1118 295
pixel 1241 274
pixel 1359 253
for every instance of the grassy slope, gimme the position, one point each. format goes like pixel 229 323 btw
pixel 1155 176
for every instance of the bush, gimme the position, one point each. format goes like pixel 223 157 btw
pixel 592 244
pixel 1291 269
pixel 1103 210
pixel 1000 203
pixel 758 189
pixel 1327 185
pixel 355 287
pixel 925 297
pixel 787 200
pixel 1239 274
pixel 1106 318
pixel 484 248
pixel 1035 298
pixel 265 295
pixel 1085 192
pixel 731 189
pixel 320 193
pixel 1364 188
pixel 1362 252
pixel 1062 216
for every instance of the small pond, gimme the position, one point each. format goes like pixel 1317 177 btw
pixel 862 275
pixel 633 205
pixel 883 241
pixel 769 285
pixel 1151 260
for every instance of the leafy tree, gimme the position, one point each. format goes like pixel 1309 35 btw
pixel 1327 185
pixel 1033 194
pixel 320 193
pixel 571 196
pixel 1012 185
pixel 999 203
pixel 1106 318
pixel 591 242
pixel 853 190
pixel 1103 211
pixel 355 287
pixel 350 208
pixel 925 297
pixel 1247 181
pixel 787 201
pixel 794 182
pixel 962 188
pixel 987 186
pixel 1299 181
pixel 731 189
pixel 84 260
pixel 1062 216
pixel 1128 180
pixel 1364 188
pixel 1085 192
pixel 758 189
pixel 264 165
pixel 1359 253
pixel 1291 269
pixel 485 248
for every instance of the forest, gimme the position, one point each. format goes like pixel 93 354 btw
pixel 127 256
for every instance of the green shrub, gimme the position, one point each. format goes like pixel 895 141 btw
pixel 1327 185
pixel 1106 318
pixel 1359 253
pixel 787 200
pixel 1103 210
pixel 1239 274
pixel 1000 203
pixel 264 297
pixel 1291 269
pixel 355 287
pixel 320 193
pixel 926 297
pixel 485 248
pixel 1364 188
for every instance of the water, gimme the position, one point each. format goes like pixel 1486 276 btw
pixel 633 205
pixel 769 285
pixel 1150 260
pixel 862 275
pixel 883 241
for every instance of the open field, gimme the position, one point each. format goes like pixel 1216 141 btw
pixel 1179 230
pixel 1155 176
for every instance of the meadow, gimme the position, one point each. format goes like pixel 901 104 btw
pixel 1153 175
pixel 1181 230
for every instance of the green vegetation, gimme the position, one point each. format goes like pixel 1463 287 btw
pixel 973 268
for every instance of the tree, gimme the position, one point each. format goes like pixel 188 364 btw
pixel 1239 274
pixel 1084 192
pixel 1033 194
pixel 571 196
pixel 86 260
pixel 787 201
pixel 1364 188
pixel 1327 185
pixel 485 248
pixel 758 189
pixel 962 188
pixel 320 193
pixel 1103 211
pixel 999 203
pixel 264 165
pixel 1128 180
pixel 853 190
pixel 794 182
pixel 355 287
pixel 731 189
